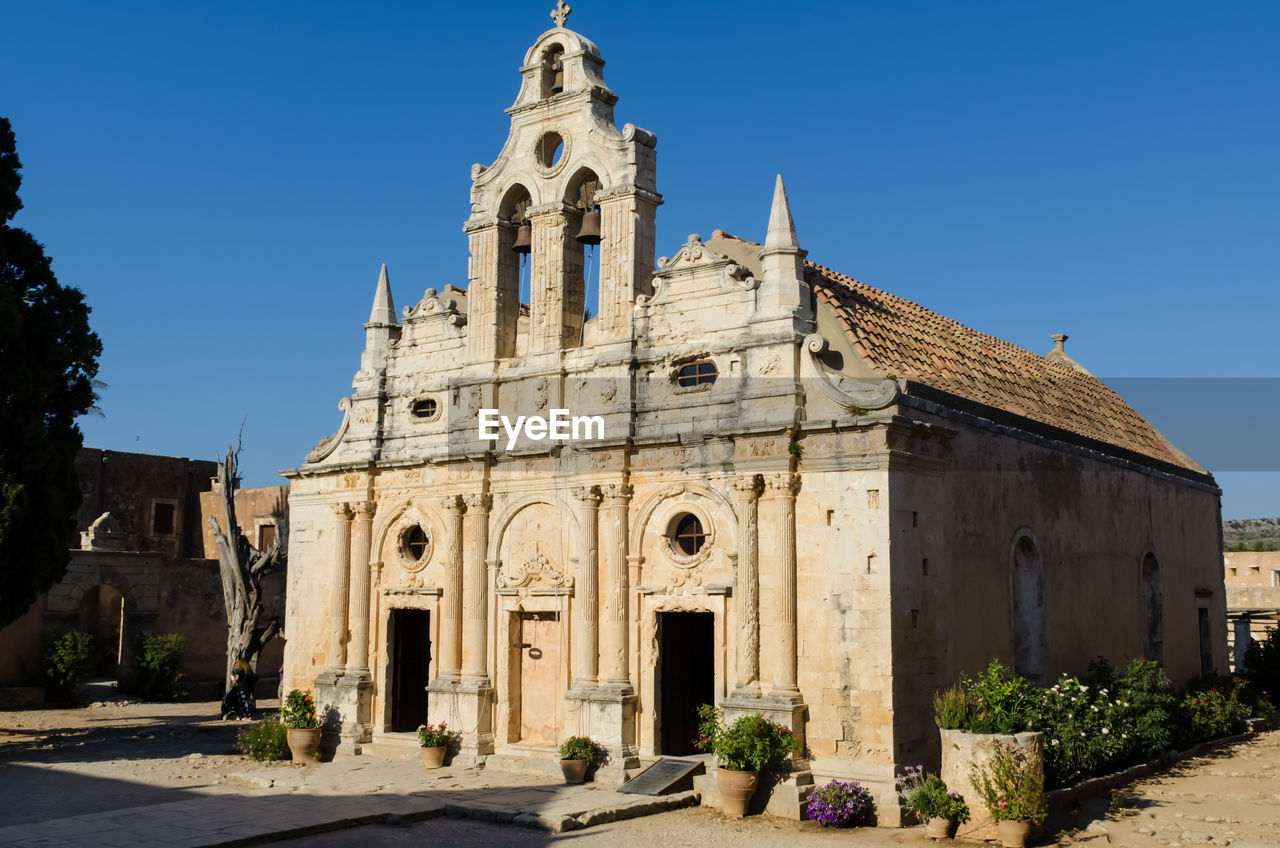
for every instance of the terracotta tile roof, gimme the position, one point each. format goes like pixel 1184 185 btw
pixel 903 339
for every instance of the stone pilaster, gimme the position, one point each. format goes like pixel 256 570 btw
pixel 586 591
pixel 450 659
pixel 474 705
pixel 547 278
pixel 746 500
pixel 626 259
pixel 782 488
pixel 361 538
pixel 493 295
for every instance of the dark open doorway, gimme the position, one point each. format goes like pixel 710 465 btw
pixel 686 676
pixel 410 636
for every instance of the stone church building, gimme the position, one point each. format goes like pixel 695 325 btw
pixel 770 487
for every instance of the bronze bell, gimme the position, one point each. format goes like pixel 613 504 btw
pixel 524 238
pixel 557 82
pixel 589 232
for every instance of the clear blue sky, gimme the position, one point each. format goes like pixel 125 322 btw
pixel 223 180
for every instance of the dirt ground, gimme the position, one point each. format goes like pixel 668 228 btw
pixel 148 753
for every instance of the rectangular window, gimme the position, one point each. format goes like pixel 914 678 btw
pixel 266 536
pixel 162 518
pixel 1275 578
pixel 1206 641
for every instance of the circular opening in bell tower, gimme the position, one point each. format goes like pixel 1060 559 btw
pixel 550 147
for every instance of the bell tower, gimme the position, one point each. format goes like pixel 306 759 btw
pixel 566 180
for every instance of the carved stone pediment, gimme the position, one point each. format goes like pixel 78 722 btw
pixel 534 571
pixel 433 307
pixel 695 257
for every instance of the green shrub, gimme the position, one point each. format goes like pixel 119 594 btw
pixel 158 677
pixel 998 700
pixel 1213 713
pixel 710 719
pixel 69 660
pixel 436 735
pixel 579 748
pixel 927 796
pixel 299 711
pixel 264 740
pixel 950 708
pixel 1010 785
pixel 753 743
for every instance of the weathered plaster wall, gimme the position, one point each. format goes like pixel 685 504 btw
pixel 1251 569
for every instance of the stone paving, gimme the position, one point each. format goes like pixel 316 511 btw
pixel 294 801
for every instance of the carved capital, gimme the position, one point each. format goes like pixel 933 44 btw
pixel 478 501
pixel 452 504
pixel 343 511
pixel 589 496
pixel 783 485
pixel 748 486
pixel 364 510
pixel 617 494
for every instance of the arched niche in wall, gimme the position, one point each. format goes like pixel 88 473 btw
pixel 582 252
pixel 1027 585
pixel 1151 614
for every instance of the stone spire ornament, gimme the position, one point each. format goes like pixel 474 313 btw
pixel 783 290
pixel 384 311
pixel 561 13
pixel 782 228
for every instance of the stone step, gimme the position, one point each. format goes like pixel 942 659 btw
pixel 392 746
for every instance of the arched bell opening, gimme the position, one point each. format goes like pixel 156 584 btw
pixel 515 244
pixel 552 71
pixel 582 254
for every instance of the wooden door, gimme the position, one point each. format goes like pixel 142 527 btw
pixel 541 689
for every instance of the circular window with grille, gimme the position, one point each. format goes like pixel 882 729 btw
pixel 415 544
pixel 426 409
pixel 688 538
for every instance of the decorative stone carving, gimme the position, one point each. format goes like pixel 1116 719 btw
pixel 847 392
pixel 536 569
pixel 432 306
pixel 104 534
pixel 329 445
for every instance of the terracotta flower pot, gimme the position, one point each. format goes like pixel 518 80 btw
pixel 574 771
pixel 433 757
pixel 736 789
pixel 303 744
pixel 1014 834
pixel 937 828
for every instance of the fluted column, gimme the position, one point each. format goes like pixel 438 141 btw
pixel 451 606
pixel 746 495
pixel 341 577
pixel 361 536
pixel 586 590
pixel 613 635
pixel 475 594
pixel 783 490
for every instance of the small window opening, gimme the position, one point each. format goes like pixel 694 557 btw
pixel 416 542
pixel 915 619
pixel 924 566
pixel 700 373
pixel 425 408
pixel 831 513
pixel 689 535
pixel 549 147
pixel 552 71
pixel 162 519
pixel 266 536
pixel 915 519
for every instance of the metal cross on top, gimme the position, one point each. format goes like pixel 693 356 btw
pixel 561 12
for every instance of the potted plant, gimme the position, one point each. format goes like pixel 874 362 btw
pixel 576 754
pixel 1011 785
pixel 743 749
pixel 299 715
pixel 931 802
pixel 435 740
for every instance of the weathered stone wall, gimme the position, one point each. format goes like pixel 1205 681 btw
pixel 1245 569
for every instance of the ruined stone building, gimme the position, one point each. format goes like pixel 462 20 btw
pixel 800 496
pixel 1252 581
pixel 143 562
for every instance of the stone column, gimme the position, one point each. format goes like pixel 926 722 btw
pixel 746 498
pixel 546 278
pixel 613 637
pixel 475 591
pixel 586 591
pixel 361 537
pixel 342 573
pixel 783 488
pixel 451 604
pixel 626 258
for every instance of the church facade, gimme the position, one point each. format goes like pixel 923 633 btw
pixel 741 479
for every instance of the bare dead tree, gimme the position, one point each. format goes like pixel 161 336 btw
pixel 243 568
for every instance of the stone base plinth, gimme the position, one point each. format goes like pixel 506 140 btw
pixel 466 706
pixel 345 702
pixel 608 715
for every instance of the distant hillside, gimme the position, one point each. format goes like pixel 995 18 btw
pixel 1250 531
